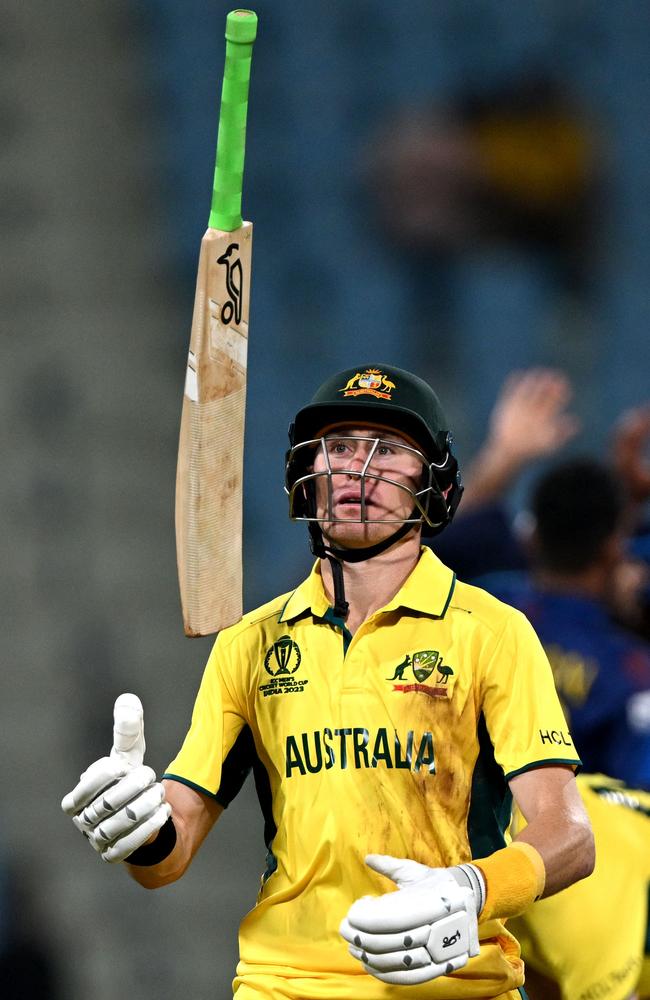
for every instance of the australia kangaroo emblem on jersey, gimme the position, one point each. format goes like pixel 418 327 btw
pixel 424 665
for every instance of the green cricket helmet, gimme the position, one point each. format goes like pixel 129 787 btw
pixel 386 397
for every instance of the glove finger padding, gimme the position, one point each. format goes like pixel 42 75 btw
pixel 130 817
pixel 126 845
pixel 401 911
pixel 447 939
pixel 379 943
pixel 116 796
pixel 413 977
pixel 415 934
pixel 95 779
pixel 414 958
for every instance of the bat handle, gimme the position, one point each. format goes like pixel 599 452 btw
pixel 225 212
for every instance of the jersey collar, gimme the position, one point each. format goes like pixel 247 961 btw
pixel 427 590
pixel 309 596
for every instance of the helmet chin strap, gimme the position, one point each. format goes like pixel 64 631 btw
pixel 336 556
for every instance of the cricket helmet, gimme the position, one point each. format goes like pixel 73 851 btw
pixel 379 396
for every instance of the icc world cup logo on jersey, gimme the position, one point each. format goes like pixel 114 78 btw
pixel 283 657
pixel 281 661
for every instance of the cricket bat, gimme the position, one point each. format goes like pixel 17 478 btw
pixel 209 476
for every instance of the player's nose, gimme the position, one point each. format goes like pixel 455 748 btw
pixel 362 450
pixel 356 461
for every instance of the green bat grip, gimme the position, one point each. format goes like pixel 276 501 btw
pixel 225 211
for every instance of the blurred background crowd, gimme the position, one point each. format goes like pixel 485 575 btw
pixel 459 188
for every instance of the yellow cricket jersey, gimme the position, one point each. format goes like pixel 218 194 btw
pixel 591 938
pixel 397 741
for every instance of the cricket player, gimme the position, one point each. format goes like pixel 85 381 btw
pixel 573 948
pixel 389 713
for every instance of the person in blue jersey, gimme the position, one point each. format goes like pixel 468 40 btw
pixel 602 672
pixel 531 421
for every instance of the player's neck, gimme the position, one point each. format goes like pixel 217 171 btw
pixel 371 584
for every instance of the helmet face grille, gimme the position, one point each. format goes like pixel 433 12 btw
pixel 428 502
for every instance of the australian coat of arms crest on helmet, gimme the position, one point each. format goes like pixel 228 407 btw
pixel 372 382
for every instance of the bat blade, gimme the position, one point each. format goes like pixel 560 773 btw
pixel 209 478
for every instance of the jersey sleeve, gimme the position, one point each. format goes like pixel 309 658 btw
pixel 208 756
pixel 522 710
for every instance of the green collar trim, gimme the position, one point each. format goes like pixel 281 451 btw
pixel 333 619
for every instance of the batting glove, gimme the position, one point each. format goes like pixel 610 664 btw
pixel 118 803
pixel 427 929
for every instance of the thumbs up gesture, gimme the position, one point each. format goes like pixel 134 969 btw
pixel 118 803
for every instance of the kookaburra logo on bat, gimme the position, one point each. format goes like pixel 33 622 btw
pixel 234 285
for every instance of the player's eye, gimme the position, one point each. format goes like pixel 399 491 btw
pixel 337 447
pixel 384 450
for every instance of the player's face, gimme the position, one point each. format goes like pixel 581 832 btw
pixel 361 460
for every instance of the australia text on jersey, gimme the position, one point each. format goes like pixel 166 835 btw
pixel 355 747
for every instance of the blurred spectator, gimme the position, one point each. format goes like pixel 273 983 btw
pixel 568 571
pixel 529 422
pixel 537 158
pixel 516 164
pixel 602 672
pixel 591 939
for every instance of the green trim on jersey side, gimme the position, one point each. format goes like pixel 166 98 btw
pixel 271 866
pixel 551 762
pixel 522 993
pixel 190 784
pixel 265 799
pixel 241 758
pixel 235 768
pixel 490 806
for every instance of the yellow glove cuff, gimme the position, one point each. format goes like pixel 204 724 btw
pixel 514 878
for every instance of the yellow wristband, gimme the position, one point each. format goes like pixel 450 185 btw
pixel 514 878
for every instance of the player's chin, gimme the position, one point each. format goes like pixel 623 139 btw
pixel 357 535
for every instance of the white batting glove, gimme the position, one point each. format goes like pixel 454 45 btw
pixel 428 928
pixel 118 803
